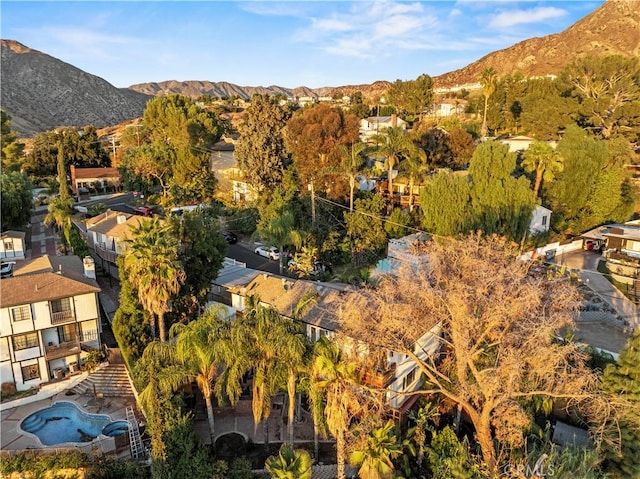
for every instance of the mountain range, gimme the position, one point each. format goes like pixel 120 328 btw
pixel 42 93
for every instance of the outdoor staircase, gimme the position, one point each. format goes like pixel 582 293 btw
pixel 109 381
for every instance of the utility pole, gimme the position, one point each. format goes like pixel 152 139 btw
pixel 113 146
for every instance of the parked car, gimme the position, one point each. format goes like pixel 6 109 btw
pixel 230 237
pixel 268 252
pixel 6 269
pixel 143 210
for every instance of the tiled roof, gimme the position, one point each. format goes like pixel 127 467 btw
pixel 44 279
pixel 107 223
pixel 285 294
pixel 90 173
pixel 13 234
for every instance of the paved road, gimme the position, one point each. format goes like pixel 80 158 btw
pixel 244 251
pixel 602 330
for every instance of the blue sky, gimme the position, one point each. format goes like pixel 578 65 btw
pixel 290 43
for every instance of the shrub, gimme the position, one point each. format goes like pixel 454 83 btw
pixel 8 389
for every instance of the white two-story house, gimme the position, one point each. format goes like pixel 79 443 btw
pixel 317 306
pixel 49 319
pixel 106 233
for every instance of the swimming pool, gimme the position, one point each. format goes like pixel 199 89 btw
pixel 65 422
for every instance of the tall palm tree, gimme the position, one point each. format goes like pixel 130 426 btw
pixel 204 349
pixel 292 355
pixel 375 454
pixel 544 160
pixel 331 392
pixel 260 334
pixel 395 146
pixel 488 82
pixel 151 265
pixel 290 464
pixel 416 163
pixel 352 161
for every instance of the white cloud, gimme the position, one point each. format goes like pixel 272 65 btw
pixel 519 17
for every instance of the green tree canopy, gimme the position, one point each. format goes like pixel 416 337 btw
pixel 202 251
pixel 412 97
pixel 16 201
pixel 450 217
pixel 500 203
pixel 608 93
pixel 12 149
pixel 593 187
pixel 365 230
pixel 622 382
pixel 80 148
pixel 260 151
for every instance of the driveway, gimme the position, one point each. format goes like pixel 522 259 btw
pixel 609 325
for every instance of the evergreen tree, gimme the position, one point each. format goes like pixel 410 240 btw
pixel 16 200
pixel 260 151
pixel 622 380
pixel 445 202
pixel 12 150
pixel 500 203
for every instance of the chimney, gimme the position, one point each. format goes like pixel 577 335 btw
pixel 59 269
pixel 121 219
pixel 89 267
pixel 394 120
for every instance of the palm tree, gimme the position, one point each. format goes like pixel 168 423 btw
pixel 488 83
pixel 59 212
pixel 331 379
pixel 375 454
pixel 151 265
pixel 292 355
pixel 204 349
pixel 416 166
pixel 396 145
pixel 290 464
pixel 544 160
pixel 280 232
pixel 352 161
pixel 260 334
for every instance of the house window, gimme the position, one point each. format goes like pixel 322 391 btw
pixel 25 341
pixel 61 311
pixel 314 334
pixel 8 246
pixel 21 313
pixel 544 221
pixel 30 372
pixel 67 333
pixel 409 379
pixel 60 305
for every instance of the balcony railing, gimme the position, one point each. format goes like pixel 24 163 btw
pixel 378 378
pixel 66 348
pixel 62 317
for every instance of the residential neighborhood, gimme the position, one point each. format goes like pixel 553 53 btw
pixel 427 282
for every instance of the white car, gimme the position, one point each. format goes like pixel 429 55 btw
pixel 268 252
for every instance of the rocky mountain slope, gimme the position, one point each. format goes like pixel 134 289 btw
pixel 612 29
pixel 42 93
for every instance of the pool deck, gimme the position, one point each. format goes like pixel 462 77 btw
pixel 13 438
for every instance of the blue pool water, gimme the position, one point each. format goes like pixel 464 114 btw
pixel 65 422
